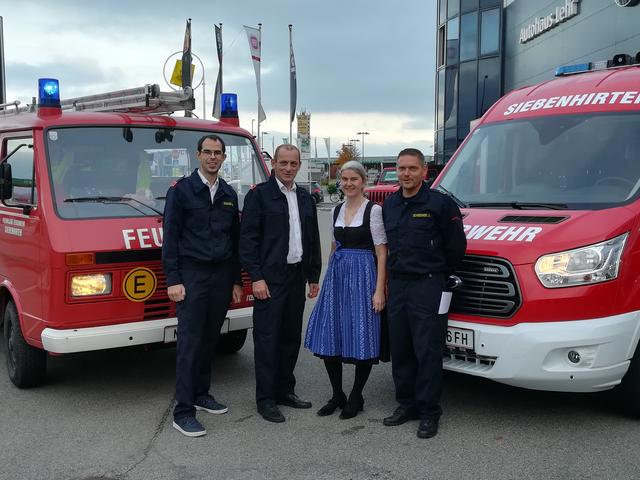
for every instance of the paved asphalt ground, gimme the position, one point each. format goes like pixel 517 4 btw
pixel 107 415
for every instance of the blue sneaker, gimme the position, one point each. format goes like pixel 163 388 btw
pixel 189 426
pixel 209 404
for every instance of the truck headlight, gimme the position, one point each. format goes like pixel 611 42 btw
pixel 582 266
pixel 94 284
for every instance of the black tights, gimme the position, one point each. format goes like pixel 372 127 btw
pixel 334 369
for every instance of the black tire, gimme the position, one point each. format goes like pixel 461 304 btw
pixel 628 392
pixel 335 197
pixel 231 342
pixel 27 365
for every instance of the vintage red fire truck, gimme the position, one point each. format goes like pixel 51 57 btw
pixel 83 183
pixel 549 186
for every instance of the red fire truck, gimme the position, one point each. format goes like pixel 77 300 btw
pixel 549 186
pixel 387 183
pixel 82 184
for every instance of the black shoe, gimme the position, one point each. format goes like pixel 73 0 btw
pixel 400 416
pixel 354 405
pixel 428 427
pixel 271 413
pixel 293 401
pixel 333 404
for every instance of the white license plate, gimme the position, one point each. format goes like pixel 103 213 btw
pixel 170 334
pixel 459 337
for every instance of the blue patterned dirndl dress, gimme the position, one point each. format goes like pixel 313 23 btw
pixel 343 323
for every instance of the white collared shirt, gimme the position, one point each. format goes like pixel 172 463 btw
pixel 213 188
pixel 295 229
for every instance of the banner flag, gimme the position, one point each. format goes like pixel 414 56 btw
pixel 293 83
pixel 217 96
pixel 255 46
pixel 186 56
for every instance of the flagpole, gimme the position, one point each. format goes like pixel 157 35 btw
pixel 260 90
pixel 290 86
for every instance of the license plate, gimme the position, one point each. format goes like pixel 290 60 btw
pixel 170 334
pixel 459 337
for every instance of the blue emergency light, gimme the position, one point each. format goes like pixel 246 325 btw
pixel 229 108
pixel 569 69
pixel 48 92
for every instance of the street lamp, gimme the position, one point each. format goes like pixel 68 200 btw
pixel 262 139
pixel 252 120
pixel 363 134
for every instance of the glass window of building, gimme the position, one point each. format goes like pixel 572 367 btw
pixel 451 97
pixel 488 83
pixel 443 11
pixel 440 144
pixel 468 93
pixel 453 35
pixel 490 32
pixel 489 3
pixel 453 8
pixel 468 36
pixel 440 115
pixel 442 41
pixel 468 5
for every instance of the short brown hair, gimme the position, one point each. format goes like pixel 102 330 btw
pixel 414 152
pixel 286 146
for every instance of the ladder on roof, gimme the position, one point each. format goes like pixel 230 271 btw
pixel 146 99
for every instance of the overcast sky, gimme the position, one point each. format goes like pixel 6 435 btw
pixel 361 64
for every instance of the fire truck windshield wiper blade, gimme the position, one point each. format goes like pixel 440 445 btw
pixel 112 199
pixel 459 202
pixel 520 205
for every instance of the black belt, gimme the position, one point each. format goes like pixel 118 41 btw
pixel 294 266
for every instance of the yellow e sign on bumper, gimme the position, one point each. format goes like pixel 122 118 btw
pixel 139 284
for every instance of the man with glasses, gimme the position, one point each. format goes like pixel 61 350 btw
pixel 200 260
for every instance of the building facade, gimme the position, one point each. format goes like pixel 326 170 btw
pixel 486 48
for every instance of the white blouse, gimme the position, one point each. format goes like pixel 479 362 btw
pixel 376 224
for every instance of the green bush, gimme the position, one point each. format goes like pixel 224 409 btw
pixel 331 188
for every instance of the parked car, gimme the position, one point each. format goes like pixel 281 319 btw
pixel 315 191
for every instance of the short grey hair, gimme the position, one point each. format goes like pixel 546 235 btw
pixel 357 167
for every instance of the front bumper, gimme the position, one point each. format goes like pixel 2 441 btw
pixel 535 355
pixel 128 334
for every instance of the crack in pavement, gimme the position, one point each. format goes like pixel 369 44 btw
pixel 152 441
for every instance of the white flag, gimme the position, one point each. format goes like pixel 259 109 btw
pixel 255 46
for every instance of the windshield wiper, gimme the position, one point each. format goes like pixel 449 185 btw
pixel 459 202
pixel 112 199
pixel 520 205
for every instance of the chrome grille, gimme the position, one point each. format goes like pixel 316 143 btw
pixel 489 288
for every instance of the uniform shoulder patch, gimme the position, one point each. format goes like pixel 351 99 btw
pixel 175 182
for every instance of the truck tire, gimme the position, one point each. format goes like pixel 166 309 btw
pixel 26 365
pixel 628 392
pixel 231 342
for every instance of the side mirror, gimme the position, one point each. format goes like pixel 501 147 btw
pixel 6 181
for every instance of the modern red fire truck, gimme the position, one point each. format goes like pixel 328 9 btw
pixel 82 184
pixel 549 186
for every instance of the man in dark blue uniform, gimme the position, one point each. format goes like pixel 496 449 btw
pixel 280 249
pixel 426 242
pixel 200 260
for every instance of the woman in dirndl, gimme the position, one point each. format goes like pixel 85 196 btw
pixel 345 326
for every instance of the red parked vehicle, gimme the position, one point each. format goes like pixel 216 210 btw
pixel 387 183
pixel 549 186
pixel 82 199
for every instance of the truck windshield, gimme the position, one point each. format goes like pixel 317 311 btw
pixel 388 177
pixel 126 171
pixel 556 162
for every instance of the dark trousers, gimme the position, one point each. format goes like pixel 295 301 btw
pixel 200 317
pixel 417 335
pixel 277 332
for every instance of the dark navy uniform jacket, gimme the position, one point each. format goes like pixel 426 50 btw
pixel 264 238
pixel 424 233
pixel 197 232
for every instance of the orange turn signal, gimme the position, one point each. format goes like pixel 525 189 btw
pixel 81 259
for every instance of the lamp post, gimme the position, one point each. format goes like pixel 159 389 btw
pixel 262 139
pixel 252 120
pixel 352 142
pixel 363 134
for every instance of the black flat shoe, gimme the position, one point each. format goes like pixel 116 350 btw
pixel 352 407
pixel 293 401
pixel 333 404
pixel 271 413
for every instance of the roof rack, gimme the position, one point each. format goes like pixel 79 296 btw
pixel 145 99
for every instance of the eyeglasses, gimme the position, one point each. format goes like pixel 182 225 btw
pixel 209 153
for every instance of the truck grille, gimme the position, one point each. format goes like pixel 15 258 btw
pixel 489 288
pixel 377 196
